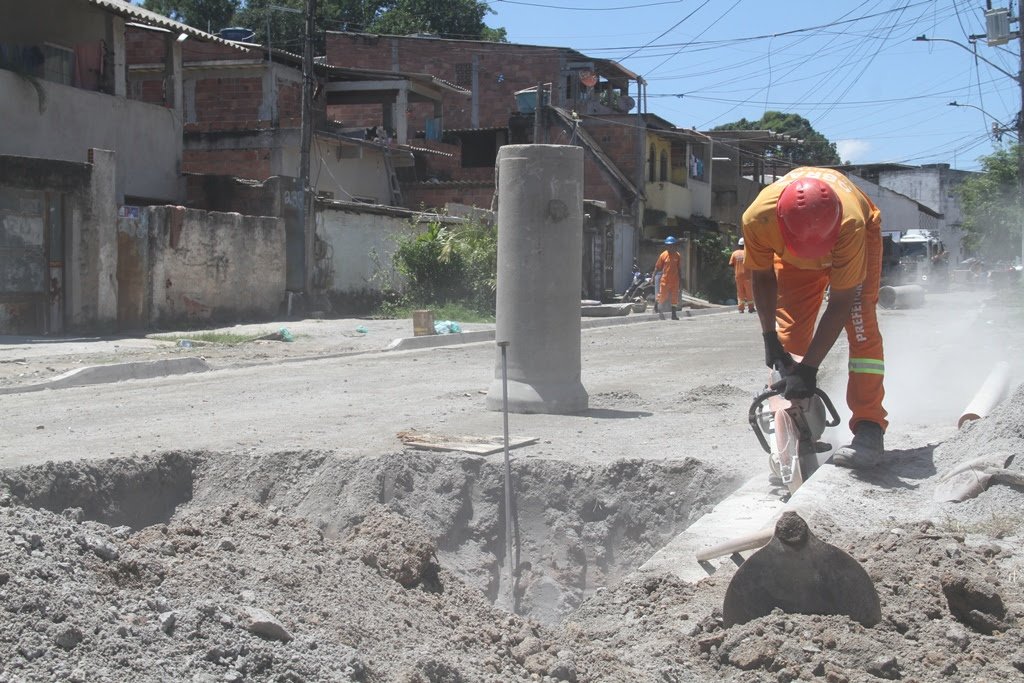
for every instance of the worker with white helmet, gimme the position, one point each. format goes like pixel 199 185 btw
pixel 810 230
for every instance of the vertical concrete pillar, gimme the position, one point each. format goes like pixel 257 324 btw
pixel 540 271
pixel 402 114
pixel 115 46
pixel 91 260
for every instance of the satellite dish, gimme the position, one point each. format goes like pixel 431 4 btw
pixel 588 78
pixel 625 103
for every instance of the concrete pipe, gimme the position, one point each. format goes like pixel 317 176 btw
pixel 540 267
pixel 991 394
pixel 905 296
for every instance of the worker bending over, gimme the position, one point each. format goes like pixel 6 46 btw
pixel 810 230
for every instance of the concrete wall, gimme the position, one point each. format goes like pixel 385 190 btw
pixel 435 196
pixel 934 186
pixel 899 213
pixel 146 138
pixel 57 21
pixel 363 247
pixel 345 170
pixel 194 267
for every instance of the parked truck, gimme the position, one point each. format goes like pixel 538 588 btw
pixel 914 257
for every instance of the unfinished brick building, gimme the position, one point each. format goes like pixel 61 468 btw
pixel 242 115
pixel 502 78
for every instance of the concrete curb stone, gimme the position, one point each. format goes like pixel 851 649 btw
pixel 118 372
pixel 115 372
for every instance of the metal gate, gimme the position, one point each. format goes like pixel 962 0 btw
pixel 31 262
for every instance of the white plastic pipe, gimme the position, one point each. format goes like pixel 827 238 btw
pixel 991 394
pixel 756 539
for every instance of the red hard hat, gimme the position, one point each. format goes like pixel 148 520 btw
pixel 809 213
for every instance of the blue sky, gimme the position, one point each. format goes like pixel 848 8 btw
pixel 851 68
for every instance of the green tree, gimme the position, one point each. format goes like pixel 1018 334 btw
pixel 446 18
pixel 445 265
pixel 454 18
pixel 287 29
pixel 816 150
pixel 206 15
pixel 991 205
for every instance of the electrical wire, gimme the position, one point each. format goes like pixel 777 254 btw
pixel 590 8
pixel 709 27
pixel 668 30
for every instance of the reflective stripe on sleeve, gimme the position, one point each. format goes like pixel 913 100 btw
pixel 867 366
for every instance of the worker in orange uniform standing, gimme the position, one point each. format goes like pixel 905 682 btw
pixel 810 230
pixel 744 299
pixel 670 266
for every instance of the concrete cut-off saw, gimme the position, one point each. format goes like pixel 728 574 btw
pixel 794 570
pixel 789 431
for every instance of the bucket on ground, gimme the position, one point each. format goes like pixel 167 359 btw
pixel 422 323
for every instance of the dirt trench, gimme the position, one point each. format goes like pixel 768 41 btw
pixel 577 528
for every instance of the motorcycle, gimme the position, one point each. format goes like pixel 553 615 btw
pixel 641 288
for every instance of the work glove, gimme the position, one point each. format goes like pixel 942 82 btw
pixel 774 354
pixel 799 381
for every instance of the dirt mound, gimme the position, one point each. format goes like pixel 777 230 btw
pixel 714 397
pixel 305 566
pixel 242 592
pixel 672 631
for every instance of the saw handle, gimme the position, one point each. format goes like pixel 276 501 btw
pixel 831 421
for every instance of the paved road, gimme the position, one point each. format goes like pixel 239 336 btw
pixel 658 389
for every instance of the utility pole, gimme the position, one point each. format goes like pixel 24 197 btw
pixel 997 32
pixel 1020 136
pixel 307 218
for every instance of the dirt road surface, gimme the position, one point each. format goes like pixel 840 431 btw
pixel 277 483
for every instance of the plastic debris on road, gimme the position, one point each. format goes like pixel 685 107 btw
pixel 447 327
pixel 362 329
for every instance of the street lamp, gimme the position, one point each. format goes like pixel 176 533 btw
pixel 995 66
pixel 1019 79
pixel 997 127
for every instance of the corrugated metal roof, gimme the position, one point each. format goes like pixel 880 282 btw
pixel 145 16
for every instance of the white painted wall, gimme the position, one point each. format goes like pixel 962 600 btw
pixel 222 265
pixel 363 246
pixel 347 171
pixel 57 21
pixel 146 138
pixel 898 212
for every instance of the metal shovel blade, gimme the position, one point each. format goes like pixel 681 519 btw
pixel 799 573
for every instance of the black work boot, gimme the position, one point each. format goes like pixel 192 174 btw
pixel 866 449
pixel 674 316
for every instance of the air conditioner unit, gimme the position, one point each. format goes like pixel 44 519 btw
pixel 997 27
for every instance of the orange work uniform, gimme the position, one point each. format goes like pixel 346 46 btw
pixel 669 285
pixel 743 295
pixel 855 261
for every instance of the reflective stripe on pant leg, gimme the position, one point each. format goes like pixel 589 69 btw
pixel 868 366
pixel 865 387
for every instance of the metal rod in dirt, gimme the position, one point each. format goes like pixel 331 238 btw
pixel 503 345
